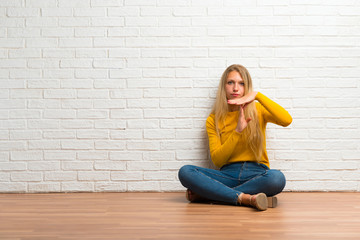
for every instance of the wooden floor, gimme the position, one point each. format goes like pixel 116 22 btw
pixel 170 216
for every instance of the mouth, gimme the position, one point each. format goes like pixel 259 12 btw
pixel 235 95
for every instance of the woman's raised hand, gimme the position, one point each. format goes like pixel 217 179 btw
pixel 248 98
pixel 242 122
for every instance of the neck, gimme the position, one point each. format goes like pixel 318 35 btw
pixel 233 108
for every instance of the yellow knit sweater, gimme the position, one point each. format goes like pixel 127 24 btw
pixel 232 146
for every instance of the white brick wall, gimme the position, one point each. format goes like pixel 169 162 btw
pixel 112 95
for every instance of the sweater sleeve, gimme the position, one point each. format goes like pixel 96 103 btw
pixel 220 153
pixel 273 112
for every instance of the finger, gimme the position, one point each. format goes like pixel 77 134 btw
pixel 248 120
pixel 234 102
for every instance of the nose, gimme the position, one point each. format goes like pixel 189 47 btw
pixel 236 87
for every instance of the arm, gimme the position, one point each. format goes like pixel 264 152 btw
pixel 220 153
pixel 275 113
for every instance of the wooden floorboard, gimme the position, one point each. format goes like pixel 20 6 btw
pixel 170 216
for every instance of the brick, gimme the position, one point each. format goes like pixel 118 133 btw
pixel 113 165
pixel 123 32
pixel 127 175
pixel 11 63
pixel 74 22
pixel 144 103
pixel 92 155
pixel 108 42
pixel 126 113
pixel 157 32
pixel 176 123
pixel 159 156
pixel 94 134
pixel 76 63
pixel 24 53
pixel 140 21
pixel 58 32
pixel 17 33
pixel 156 92
pixel 136 166
pixel 89 12
pixel 25 114
pixel 44 145
pixel 139 2
pixel 159 134
pixel 159 175
pixel 109 83
pixel 126 134
pixel 143 145
pixel 128 73
pixel 109 104
pixel 109 145
pixel 144 186
pixel 27 155
pixel 74 3
pixel 141 124
pixel 77 144
pixel 59 155
pixel 44 187
pixel 171 186
pixel 77 187
pixel 12 124
pixel 13 187
pixel 110 124
pixel 93 114
pixel 73 166
pixel 26 177
pixel 59 134
pixel 126 156
pixel 43 166
pixel 25 135
pixel 75 124
pixel 108 22
pixel 106 3
pixel 76 83
pixel 94 176
pixel 93 94
pixel 75 42
pixel 119 53
pixel 12 22
pixel 59 114
pixel 56 12
pixel 174 144
pixel 4 135
pixel 111 187
pixel 58 73
pixel 11 166
pixel 159 113
pixel 25 93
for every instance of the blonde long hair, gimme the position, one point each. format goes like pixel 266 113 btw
pixel 221 108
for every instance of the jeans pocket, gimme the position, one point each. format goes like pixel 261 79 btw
pixel 264 166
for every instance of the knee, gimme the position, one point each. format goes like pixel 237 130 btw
pixel 184 172
pixel 277 181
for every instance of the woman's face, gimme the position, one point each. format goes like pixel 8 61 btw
pixel 234 86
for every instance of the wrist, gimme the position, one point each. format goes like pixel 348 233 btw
pixel 256 94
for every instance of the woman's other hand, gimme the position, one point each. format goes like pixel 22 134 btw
pixel 248 98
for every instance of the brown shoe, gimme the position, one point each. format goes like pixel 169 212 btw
pixel 259 201
pixel 272 202
pixel 193 197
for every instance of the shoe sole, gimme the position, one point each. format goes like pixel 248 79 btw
pixel 261 202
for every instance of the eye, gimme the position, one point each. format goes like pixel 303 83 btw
pixel 242 84
pixel 230 82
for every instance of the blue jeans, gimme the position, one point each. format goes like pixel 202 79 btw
pixel 226 184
